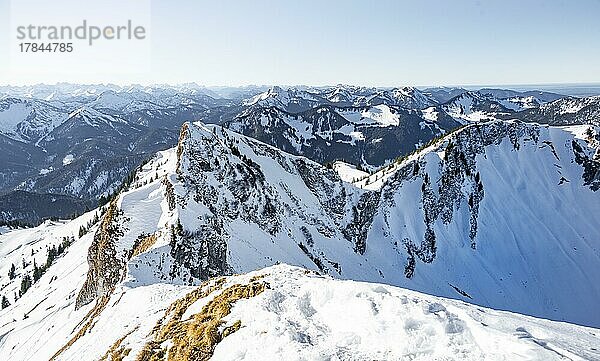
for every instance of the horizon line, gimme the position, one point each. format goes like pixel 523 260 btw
pixel 158 84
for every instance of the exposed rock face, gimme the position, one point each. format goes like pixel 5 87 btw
pixel 202 251
pixel 362 217
pixel 590 164
pixel 233 187
pixel 107 268
pixel 325 185
pixel 207 167
pixel 457 181
pixel 231 204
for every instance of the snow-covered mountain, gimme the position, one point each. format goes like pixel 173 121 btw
pixel 280 312
pixel 460 184
pixel 370 136
pixel 297 100
pixel 28 120
pixel 28 113
pixel 291 100
pixel 540 96
pixel 83 140
pixel 567 111
pixel 444 94
pixel 474 107
pixel 499 214
pixel 367 126
pixel 203 202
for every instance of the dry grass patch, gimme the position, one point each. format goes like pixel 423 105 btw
pixel 197 337
pixel 143 243
pixel 116 352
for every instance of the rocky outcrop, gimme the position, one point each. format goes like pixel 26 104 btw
pixel 202 251
pixel 590 164
pixel 107 268
pixel 455 182
pixel 362 217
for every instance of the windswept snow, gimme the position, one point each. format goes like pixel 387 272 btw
pixel 306 316
pixel 300 316
pixel 379 115
pixel 348 172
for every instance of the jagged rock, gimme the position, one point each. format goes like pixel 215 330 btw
pixel 362 217
pixel 229 203
pixel 591 166
pixel 106 266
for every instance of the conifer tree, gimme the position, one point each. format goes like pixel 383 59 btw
pixel 25 284
pixel 11 272
pixel 5 302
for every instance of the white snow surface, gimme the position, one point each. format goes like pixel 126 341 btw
pixel 348 172
pixel 68 159
pixel 432 114
pixel 379 115
pixel 537 253
pixel 300 316
pixel 309 317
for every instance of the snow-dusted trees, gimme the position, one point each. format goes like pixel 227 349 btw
pixel 5 302
pixel 11 272
pixel 25 284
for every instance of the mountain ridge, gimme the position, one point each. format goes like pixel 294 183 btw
pixel 334 226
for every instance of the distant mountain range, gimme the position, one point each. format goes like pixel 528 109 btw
pixel 490 198
pixel 83 140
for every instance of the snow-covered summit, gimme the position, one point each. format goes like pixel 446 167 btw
pixel 473 107
pixel 93 117
pixel 475 216
pixel 223 203
pixel 286 312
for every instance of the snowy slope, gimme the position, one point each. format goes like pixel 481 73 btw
pixel 500 214
pixel 284 312
pixel 348 172
pixel 28 119
pixel 307 316
pixel 475 107
pixel 25 247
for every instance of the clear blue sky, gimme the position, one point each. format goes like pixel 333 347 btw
pixel 379 43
